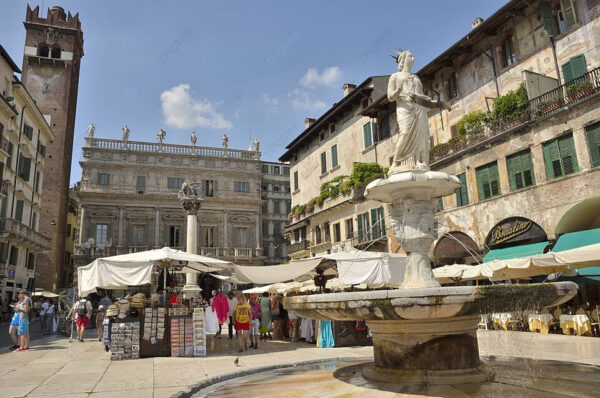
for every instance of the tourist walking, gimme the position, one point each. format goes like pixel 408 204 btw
pixel 14 327
pixel 265 318
pixel 256 310
pixel 242 321
pixel 43 309
pixel 82 311
pixel 232 302
pixel 99 321
pixel 50 317
pixel 24 308
pixel 278 317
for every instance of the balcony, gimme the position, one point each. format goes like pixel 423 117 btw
pixel 298 246
pixel 321 247
pixel 4 187
pixel 576 91
pixel 363 239
pixel 13 229
pixel 4 145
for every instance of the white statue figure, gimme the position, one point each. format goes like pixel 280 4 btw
pixel 126 132
pixel 256 144
pixel 413 145
pixel 91 130
pixel 161 136
pixel 225 141
pixel 193 138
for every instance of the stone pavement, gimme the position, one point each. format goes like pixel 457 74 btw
pixel 54 367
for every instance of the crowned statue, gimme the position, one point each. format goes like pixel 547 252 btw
pixel 405 89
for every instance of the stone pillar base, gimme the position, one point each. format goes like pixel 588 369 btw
pixel 438 349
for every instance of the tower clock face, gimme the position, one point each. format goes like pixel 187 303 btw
pixel 46 71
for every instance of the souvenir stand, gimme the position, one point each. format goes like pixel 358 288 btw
pixel 140 326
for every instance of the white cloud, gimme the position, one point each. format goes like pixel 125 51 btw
pixel 182 111
pixel 299 99
pixel 267 99
pixel 329 77
pixel 236 114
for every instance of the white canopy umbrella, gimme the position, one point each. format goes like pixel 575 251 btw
pixel 195 262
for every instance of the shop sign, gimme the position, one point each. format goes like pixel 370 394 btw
pixel 515 229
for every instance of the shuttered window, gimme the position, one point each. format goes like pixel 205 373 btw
pixel 140 184
pixel 14 255
pixel 462 194
pixel 520 170
pixel 10 154
pixel 334 158
pixel 488 182
pixel 548 18
pixel 367 135
pixel 323 162
pixel 363 227
pixel 560 157
pixel 24 167
pixel 28 132
pixel 31 261
pixel 296 186
pixel 440 204
pixel 384 130
pixel 377 223
pixel 566 15
pixel 19 210
pixel 593 136
pixel 452 91
pixel 508 52
pixel 574 68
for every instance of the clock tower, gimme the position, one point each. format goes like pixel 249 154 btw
pixel 51 62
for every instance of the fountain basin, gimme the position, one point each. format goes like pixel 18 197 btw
pixel 428 333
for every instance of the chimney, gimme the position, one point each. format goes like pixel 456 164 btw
pixel 308 122
pixel 478 21
pixel 348 87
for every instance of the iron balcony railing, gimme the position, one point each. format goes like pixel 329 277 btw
pixel 298 246
pixel 575 91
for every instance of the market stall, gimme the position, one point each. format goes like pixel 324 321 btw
pixel 161 324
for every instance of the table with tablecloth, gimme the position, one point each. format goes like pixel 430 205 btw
pixel 540 322
pixel 501 320
pixel 576 324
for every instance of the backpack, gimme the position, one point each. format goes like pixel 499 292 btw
pixel 82 308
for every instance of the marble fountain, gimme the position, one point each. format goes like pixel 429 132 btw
pixel 425 335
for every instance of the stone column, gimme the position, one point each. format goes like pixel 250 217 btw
pixel 225 235
pixel 258 237
pixel 191 204
pixel 82 221
pixel 156 227
pixel 121 227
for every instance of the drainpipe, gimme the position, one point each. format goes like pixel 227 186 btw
pixel 555 59
pixel 491 58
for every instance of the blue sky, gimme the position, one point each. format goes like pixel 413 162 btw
pixel 246 69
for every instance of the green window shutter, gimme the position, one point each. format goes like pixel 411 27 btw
pixel 462 194
pixel 323 162
pixel 10 153
pixel 515 176
pixel 3 207
pixel 3 252
pixel 494 180
pixel 440 204
pixel 568 155
pixel 481 179
pixel 375 135
pixel 26 168
pixel 28 132
pixel 374 225
pixel 527 166
pixel 593 136
pixel 334 158
pixel 385 127
pixel 547 18
pixel 552 159
pixel 578 66
pixel 382 221
pixel 567 71
pixel 360 227
pixel 367 135
pixel 568 12
pixel 19 210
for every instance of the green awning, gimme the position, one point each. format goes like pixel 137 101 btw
pixel 589 272
pixel 573 240
pixel 506 253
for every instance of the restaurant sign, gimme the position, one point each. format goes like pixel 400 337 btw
pixel 515 229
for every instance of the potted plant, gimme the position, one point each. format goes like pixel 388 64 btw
pixel 547 107
pixel 579 90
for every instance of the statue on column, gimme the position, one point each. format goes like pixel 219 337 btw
pixel 225 141
pixel 413 145
pixel 193 138
pixel 126 132
pixel 161 136
pixel 91 130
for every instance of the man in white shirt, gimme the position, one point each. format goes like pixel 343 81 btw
pixel 43 310
pixel 232 301
pixel 50 317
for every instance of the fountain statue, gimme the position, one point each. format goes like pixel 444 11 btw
pixel 422 333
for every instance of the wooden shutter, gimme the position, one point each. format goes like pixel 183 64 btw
pixel 334 157
pixel 367 135
pixel 374 225
pixel 567 72
pixel 382 221
pixel 375 134
pixel 527 165
pixel 323 162
pixel 3 252
pixel 578 66
pixel 385 127
pixel 483 180
pixel 551 154
pixel 360 227
pixel 568 12
pixel 19 211
pixel 513 164
pixel 494 180
pixel 547 18
pixel 593 135
pixel 568 156
pixel 462 194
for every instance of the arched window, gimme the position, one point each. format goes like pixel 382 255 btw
pixel 44 52
pixel 56 52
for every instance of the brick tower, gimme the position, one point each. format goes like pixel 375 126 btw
pixel 53 51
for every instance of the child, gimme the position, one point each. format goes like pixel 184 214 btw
pixel 241 317
pixel 99 320
pixel 255 322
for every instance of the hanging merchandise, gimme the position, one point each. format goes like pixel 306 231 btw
pixel 199 333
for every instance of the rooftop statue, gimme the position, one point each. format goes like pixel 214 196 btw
pixel 413 145
pixel 126 132
pixel 161 136
pixel 91 130
pixel 193 138
pixel 225 141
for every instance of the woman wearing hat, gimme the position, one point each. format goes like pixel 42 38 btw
pixel 99 320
